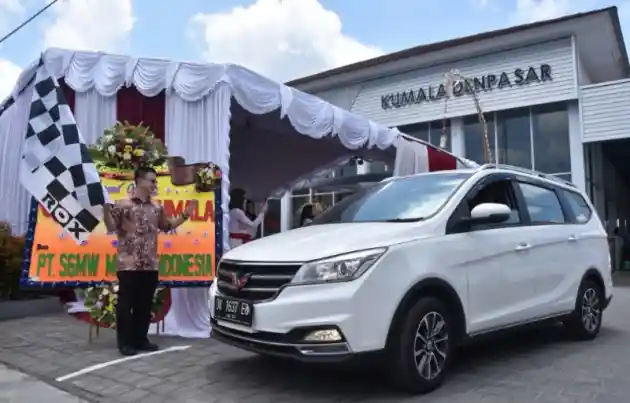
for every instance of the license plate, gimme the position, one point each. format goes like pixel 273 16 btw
pixel 234 310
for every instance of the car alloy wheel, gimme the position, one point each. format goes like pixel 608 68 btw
pixel 591 310
pixel 431 345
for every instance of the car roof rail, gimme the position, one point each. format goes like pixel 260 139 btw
pixel 526 171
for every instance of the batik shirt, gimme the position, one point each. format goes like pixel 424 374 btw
pixel 137 248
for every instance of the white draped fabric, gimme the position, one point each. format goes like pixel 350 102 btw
pixel 14 199
pixel 94 113
pixel 280 110
pixel 206 125
pixel 278 134
pixel 411 158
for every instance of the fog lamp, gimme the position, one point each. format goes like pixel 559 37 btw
pixel 324 335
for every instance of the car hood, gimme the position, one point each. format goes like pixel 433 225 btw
pixel 320 241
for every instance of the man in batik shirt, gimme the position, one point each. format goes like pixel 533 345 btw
pixel 136 221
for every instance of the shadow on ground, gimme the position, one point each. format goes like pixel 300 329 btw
pixel 514 350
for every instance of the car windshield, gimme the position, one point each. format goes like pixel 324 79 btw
pixel 412 198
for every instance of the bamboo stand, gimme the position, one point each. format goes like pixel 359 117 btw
pixel 450 79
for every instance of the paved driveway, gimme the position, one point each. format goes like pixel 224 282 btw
pixel 537 366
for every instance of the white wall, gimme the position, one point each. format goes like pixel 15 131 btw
pixel 606 110
pixel 558 54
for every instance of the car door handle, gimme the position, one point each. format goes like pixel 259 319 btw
pixel 572 238
pixel 522 247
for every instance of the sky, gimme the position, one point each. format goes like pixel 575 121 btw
pixel 281 39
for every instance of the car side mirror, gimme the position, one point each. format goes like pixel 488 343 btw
pixel 488 213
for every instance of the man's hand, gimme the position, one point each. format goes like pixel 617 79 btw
pixel 110 222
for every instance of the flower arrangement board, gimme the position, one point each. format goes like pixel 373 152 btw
pixel 102 302
pixel 188 255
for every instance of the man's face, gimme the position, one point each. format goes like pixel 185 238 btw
pixel 148 183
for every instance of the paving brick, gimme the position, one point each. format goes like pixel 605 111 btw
pixel 537 366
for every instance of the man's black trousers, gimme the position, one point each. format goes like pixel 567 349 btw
pixel 133 311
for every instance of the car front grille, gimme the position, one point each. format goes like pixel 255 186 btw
pixel 253 282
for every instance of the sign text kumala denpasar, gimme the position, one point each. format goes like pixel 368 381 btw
pixel 518 77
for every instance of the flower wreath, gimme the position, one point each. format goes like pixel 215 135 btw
pixel 102 304
pixel 125 147
pixel 207 178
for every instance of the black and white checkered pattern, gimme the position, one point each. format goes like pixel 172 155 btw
pixel 57 168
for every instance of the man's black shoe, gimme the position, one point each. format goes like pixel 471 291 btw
pixel 127 351
pixel 147 346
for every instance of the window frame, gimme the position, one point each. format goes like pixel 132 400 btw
pixel 482 183
pixel 554 189
pixel 562 195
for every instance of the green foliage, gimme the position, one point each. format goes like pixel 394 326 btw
pixel 11 253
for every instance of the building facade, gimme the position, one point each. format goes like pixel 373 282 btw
pixel 555 95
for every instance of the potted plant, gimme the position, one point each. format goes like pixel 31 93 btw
pixel 207 178
pixel 14 301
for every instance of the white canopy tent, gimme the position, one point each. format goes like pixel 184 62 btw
pixel 265 136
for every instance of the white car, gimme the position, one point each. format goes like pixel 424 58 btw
pixel 416 265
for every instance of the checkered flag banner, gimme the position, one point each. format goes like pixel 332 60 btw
pixel 57 168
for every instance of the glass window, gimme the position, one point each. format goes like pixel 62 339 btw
pixel 417 130
pixel 325 200
pixel 551 138
pixel 542 204
pixel 580 208
pixel 473 137
pixel 431 132
pixel 514 138
pixel 435 133
pixel 406 199
pixel 378 167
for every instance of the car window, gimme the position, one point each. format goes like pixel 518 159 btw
pixel 498 192
pixel 542 204
pixel 579 206
pixel 404 199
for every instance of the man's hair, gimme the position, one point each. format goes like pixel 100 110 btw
pixel 141 172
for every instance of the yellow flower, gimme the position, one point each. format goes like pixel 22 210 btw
pixel 128 149
pixel 139 152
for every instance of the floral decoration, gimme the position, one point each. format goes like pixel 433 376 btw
pixel 102 303
pixel 208 178
pixel 127 146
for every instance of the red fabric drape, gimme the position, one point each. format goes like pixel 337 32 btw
pixel 68 92
pixel 136 108
pixel 440 161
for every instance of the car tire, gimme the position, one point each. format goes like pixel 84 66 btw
pixel 586 320
pixel 420 354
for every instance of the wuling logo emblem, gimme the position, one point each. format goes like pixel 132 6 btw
pixel 240 282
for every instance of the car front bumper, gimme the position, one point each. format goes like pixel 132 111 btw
pixel 280 325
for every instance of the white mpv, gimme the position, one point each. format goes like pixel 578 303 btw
pixel 414 266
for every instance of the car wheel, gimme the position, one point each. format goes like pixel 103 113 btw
pixel 586 320
pixel 420 355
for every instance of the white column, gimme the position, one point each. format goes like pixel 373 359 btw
pixel 576 147
pixel 458 143
pixel 286 209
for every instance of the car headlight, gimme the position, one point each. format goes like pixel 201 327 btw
pixel 338 268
